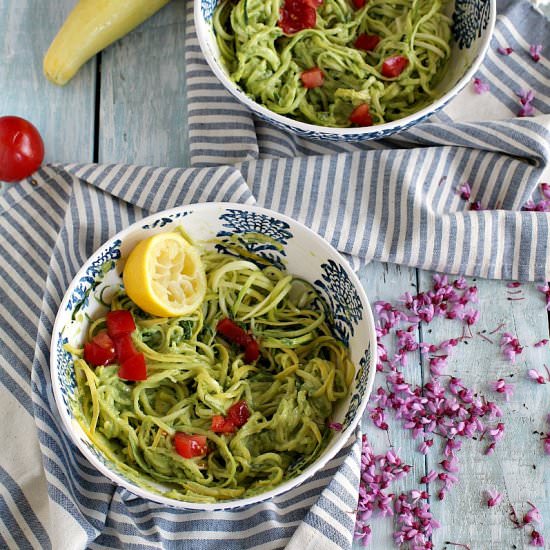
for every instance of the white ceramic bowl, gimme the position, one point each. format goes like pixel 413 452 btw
pixel 304 254
pixel 473 24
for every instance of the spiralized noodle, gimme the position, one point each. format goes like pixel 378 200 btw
pixel 267 64
pixel 193 374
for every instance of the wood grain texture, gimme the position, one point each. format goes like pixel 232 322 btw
pixel 518 469
pixel 142 107
pixel 64 116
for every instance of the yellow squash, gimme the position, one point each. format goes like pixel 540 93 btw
pixel 91 27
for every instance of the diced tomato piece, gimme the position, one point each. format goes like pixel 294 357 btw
pixel 222 425
pixel 100 351
pixel 314 3
pixel 120 322
pixel 190 446
pixel 251 352
pixel 238 413
pixel 360 116
pixel 359 4
pixel 394 66
pixel 233 332
pixel 367 42
pixel 297 15
pixel 312 78
pixel 124 347
pixel 134 368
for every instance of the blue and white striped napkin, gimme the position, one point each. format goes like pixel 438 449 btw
pixel 394 200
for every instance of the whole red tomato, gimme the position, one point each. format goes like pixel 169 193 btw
pixel 21 148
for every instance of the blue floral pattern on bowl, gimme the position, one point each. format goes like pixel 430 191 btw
pixel 244 225
pixel 66 375
pixel 164 221
pixel 345 307
pixel 207 8
pixel 360 389
pixel 470 18
pixel 93 277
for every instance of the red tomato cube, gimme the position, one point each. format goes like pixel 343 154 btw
pixel 312 78
pixel 297 15
pixel 394 66
pixel 238 413
pixel 134 368
pixel 361 116
pixel 222 425
pixel 367 42
pixel 120 322
pixel 190 446
pixel 100 351
pixel 124 347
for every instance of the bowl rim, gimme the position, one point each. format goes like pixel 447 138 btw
pixel 306 127
pixel 288 485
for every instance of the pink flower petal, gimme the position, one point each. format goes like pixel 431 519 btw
pixel 480 87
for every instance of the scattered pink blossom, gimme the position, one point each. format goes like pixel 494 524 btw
pixel 537 376
pixel 450 464
pixel 545 289
pixel 545 189
pixel 363 533
pixel 500 386
pixel 415 523
pixel 480 86
pixel 429 477
pixel 525 98
pixel 535 51
pixel 471 317
pixel 546 443
pixel 377 474
pixel 494 498
pixel 425 446
pixel 541 343
pixel 526 110
pixel 537 539
pixel 451 446
pixel 448 480
pixel 336 426
pixel 442 406
pixel 438 364
pixel 490 449
pixel 539 206
pixel 533 515
pixel 497 433
pixel 510 346
pixel 476 205
pixel 465 191
pixel 504 51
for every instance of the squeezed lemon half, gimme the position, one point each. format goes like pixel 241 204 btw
pixel 164 276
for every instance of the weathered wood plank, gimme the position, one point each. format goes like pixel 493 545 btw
pixel 63 115
pixel 389 282
pixel 143 116
pixel 518 469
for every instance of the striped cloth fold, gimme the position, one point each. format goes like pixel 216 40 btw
pixel 393 200
pixel 51 484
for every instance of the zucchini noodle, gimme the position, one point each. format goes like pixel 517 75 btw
pixel 267 64
pixel 193 374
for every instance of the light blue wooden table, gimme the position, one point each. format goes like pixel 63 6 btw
pixel 128 105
